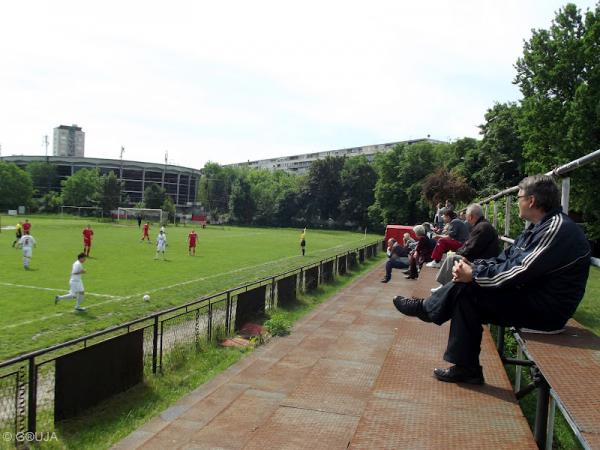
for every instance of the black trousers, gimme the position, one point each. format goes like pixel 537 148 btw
pixel 398 263
pixel 468 306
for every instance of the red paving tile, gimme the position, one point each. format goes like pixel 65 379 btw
pixel 353 372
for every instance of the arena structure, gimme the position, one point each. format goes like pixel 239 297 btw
pixel 181 183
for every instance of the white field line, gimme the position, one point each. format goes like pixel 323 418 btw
pixel 54 289
pixel 118 298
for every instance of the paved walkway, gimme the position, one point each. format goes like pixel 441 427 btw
pixel 353 373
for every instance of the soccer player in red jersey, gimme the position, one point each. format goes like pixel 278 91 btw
pixel 87 240
pixel 192 239
pixel 26 227
pixel 146 229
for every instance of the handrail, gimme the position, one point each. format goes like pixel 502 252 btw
pixel 557 172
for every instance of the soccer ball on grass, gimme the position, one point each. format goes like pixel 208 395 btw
pixel 146 298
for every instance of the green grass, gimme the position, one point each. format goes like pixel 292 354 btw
pixel 588 312
pixel 122 270
pixel 114 419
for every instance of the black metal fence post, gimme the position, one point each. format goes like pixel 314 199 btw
pixel 500 341
pixel 209 327
pixel 541 412
pixel 32 397
pixel 154 344
pixel 227 313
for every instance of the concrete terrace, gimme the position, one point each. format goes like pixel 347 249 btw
pixel 353 373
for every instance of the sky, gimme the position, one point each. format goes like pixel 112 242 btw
pixel 232 81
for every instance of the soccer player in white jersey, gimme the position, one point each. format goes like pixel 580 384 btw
pixel 27 242
pixel 75 284
pixel 161 244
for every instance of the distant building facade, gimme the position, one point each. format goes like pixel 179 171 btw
pixel 181 183
pixel 300 163
pixel 68 141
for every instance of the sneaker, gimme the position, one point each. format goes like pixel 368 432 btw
pixel 56 299
pixel 385 280
pixel 411 307
pixel 436 288
pixel 532 331
pixel 434 264
pixel 406 272
pixel 460 374
pixel 79 308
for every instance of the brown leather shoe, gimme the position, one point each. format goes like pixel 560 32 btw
pixel 460 374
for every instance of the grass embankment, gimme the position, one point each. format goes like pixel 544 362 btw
pixel 116 418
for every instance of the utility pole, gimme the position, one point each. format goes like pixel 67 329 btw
pixel 46 145
pixel 121 170
pixel 165 169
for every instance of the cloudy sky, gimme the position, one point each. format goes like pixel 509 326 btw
pixel 232 81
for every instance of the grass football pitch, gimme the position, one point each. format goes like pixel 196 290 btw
pixel 122 269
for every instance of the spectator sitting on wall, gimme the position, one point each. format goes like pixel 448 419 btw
pixel 398 259
pixel 421 254
pixel 483 243
pixel 456 236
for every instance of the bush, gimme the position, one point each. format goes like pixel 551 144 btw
pixel 278 326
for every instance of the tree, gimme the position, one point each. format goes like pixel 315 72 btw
pixel 16 187
pixel 398 191
pixel 358 178
pixel 442 185
pixel 154 196
pixel 241 203
pixel 81 188
pixel 44 176
pixel 324 187
pixel 559 77
pixel 110 192
pixel 501 149
pixel 169 207
pixel 49 202
pixel 215 187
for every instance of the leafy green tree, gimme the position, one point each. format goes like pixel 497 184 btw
pixel 501 149
pixel 154 196
pixel 358 178
pixel 16 187
pixel 110 192
pixel 241 203
pixel 215 187
pixel 559 77
pixel 169 207
pixel 398 191
pixel 44 176
pixel 324 187
pixel 49 202
pixel 81 188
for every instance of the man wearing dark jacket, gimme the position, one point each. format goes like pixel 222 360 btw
pixel 536 283
pixel 398 259
pixel 482 244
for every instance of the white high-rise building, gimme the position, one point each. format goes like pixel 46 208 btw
pixel 68 141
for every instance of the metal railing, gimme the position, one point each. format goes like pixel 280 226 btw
pixel 544 421
pixel 27 381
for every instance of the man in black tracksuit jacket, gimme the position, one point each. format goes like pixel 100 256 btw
pixel 536 283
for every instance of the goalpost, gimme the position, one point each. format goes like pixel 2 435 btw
pixel 156 215
pixel 81 211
